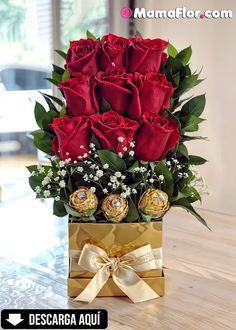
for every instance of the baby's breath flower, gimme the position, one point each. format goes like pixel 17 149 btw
pixel 92 145
pixel 46 193
pixel 113 178
pixel 49 186
pixel 105 191
pixel 132 144
pixel 33 173
pixel 41 169
pixel 62 184
pixel 151 180
pixel 85 155
pixel 179 167
pixel 118 174
pixel 120 139
pixel 131 153
pixel 45 181
pixel 81 147
pixel 106 166
pixel 168 163
pixel 134 191
pixel 57 198
pixel 125 148
pixel 186 175
pixel 180 175
pixel 99 173
pixel 56 178
pixel 109 184
pixel 37 190
pixel 63 172
pixel 120 154
pixel 53 158
pixel 93 189
pixel 123 177
pixel 95 178
pixel 123 194
pixel 91 176
pixel 80 169
pixel 50 173
pixel 161 177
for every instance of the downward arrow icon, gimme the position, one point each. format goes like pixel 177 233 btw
pixel 14 319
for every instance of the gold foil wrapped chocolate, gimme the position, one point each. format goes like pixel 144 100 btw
pixel 154 202
pixel 84 201
pixel 115 208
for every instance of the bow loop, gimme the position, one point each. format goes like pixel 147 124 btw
pixel 123 270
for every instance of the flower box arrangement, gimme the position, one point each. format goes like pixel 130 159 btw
pixel 117 158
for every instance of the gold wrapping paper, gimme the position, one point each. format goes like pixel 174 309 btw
pixel 115 239
pixel 110 289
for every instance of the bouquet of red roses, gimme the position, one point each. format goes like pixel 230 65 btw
pixel 116 142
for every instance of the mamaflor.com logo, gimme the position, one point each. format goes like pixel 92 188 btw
pixel 180 12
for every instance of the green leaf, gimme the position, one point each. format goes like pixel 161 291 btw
pixel 146 217
pixel 171 50
pixel 194 106
pixel 109 157
pixel 43 141
pixel 132 168
pixel 59 209
pixel 185 138
pixel 39 113
pixel 66 75
pixel 173 117
pixel 105 106
pixel 72 211
pixel 184 203
pixel 184 55
pixel 137 33
pixel 188 83
pixel 49 102
pixel 190 193
pixel 133 213
pixel 190 123
pixel 31 168
pixel 63 111
pixel 53 98
pixel 48 118
pixel 90 35
pixel 56 76
pixel 183 150
pixel 35 181
pixel 61 53
pixel 53 81
pixel 58 69
pixel 162 169
pixel 196 160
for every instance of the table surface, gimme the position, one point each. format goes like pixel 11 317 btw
pixel 200 270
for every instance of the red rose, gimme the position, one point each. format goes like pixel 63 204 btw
pixel 71 134
pixel 116 87
pixel 155 137
pixel 113 51
pixel 146 54
pixel 82 57
pixel 79 95
pixel 114 131
pixel 154 93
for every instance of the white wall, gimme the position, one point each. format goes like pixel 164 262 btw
pixel 214 47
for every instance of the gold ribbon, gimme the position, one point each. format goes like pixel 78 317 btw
pixel 123 270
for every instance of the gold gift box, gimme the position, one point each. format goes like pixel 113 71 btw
pixel 116 239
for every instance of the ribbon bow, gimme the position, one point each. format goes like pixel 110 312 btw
pixel 123 270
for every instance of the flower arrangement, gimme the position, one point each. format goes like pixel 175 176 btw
pixel 117 142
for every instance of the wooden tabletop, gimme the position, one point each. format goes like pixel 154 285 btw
pixel 200 270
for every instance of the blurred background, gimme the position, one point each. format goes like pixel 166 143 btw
pixel 29 32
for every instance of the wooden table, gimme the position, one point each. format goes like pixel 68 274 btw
pixel 200 281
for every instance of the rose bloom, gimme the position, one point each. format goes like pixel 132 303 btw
pixel 146 55
pixel 113 51
pixel 71 133
pixel 82 57
pixel 154 93
pixel 110 126
pixel 79 95
pixel 115 86
pixel 155 137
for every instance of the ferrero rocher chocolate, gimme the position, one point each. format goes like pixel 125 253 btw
pixel 84 201
pixel 115 208
pixel 154 202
